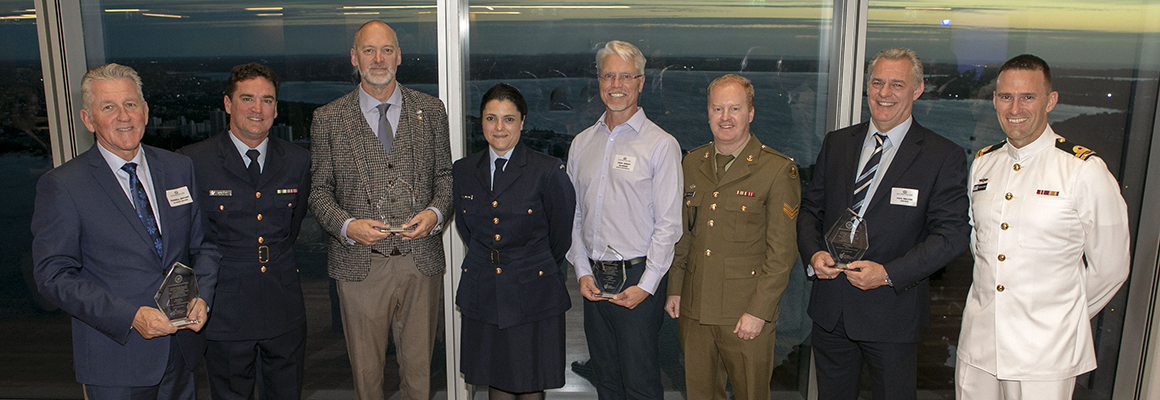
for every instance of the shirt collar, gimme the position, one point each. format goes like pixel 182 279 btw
pixel 895 134
pixel 736 153
pixel 492 156
pixel 635 122
pixel 1045 140
pixel 243 148
pixel 115 162
pixel 366 102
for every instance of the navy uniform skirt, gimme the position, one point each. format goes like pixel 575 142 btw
pixel 523 358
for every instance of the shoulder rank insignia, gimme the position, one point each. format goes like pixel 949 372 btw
pixel 792 212
pixel 792 172
pixel 990 148
pixel 1080 152
pixel 706 155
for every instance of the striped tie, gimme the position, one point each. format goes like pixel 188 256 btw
pixel 862 184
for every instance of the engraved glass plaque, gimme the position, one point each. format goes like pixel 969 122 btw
pixel 610 275
pixel 848 240
pixel 176 295
pixel 397 206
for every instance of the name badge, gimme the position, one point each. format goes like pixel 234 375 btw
pixel 179 196
pixel 624 163
pixel 217 193
pixel 904 197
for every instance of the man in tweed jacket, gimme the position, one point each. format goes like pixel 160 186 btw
pixel 378 137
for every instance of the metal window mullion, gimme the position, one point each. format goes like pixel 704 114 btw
pixel 62 59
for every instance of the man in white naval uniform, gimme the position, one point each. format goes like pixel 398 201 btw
pixel 1050 239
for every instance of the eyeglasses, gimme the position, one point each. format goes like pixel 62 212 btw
pixel 612 77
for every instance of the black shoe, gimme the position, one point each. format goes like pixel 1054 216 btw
pixel 584 369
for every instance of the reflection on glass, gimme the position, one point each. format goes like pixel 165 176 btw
pixel 25 316
pixel 1093 50
pixel 548 52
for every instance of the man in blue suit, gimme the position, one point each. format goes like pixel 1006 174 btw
pixel 909 184
pixel 254 190
pixel 107 227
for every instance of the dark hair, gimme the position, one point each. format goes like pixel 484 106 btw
pixel 503 91
pixel 1027 62
pixel 250 71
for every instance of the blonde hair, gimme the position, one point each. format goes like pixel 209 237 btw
pixel 734 78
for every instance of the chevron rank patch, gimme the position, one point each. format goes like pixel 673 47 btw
pixel 791 212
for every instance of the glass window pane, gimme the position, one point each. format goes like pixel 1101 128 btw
pixel 184 51
pixel 1105 92
pixel 548 52
pixel 35 329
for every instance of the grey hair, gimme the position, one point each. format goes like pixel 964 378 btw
pixel 898 53
pixel 625 50
pixel 107 72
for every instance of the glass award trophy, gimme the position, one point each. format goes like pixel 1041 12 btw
pixel 611 274
pixel 847 241
pixel 396 208
pixel 176 295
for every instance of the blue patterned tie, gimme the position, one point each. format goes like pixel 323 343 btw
pixel 862 184
pixel 141 203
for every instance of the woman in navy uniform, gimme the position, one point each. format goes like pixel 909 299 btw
pixel 515 209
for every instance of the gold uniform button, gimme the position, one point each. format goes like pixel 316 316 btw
pixel 1008 196
pixel 263 269
pixel 261 240
pixel 498 271
pixel 715 194
pixel 257 195
pixel 1017 167
pixel 1000 288
pixel 708 252
pixel 713 206
pixel 497 237
pixel 688 202
pixel 529 211
pixel 222 207
pixel 1002 257
pixel 494 204
pixel 465 270
pixel 289 205
pixel 495 221
pixel 259 217
pixel 465 211
pixel 752 273
pixel 541 273
pixel 742 208
pixel 1003 226
pixel 710 223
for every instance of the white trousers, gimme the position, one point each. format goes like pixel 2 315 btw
pixel 972 383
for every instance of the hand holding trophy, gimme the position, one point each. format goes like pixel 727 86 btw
pixel 610 273
pixel 847 240
pixel 176 295
pixel 397 207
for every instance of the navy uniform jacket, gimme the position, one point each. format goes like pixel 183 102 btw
pixel 910 241
pixel 516 236
pixel 95 260
pixel 258 290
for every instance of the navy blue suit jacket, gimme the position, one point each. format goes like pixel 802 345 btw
pixel 516 237
pixel 255 299
pixel 94 259
pixel 911 242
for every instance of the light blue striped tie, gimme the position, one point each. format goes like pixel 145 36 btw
pixel 862 184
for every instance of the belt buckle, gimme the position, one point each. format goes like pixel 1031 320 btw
pixel 263 254
pixel 494 255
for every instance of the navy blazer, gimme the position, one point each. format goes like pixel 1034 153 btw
pixel 94 259
pixel 910 242
pixel 516 236
pixel 259 295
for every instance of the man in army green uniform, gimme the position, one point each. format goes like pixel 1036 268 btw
pixel 739 245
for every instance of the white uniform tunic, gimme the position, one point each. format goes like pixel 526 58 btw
pixel 1036 213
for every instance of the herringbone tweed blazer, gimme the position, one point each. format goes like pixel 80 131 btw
pixel 351 171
